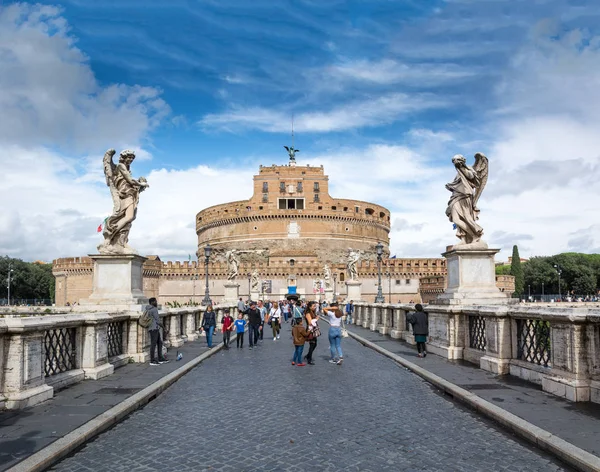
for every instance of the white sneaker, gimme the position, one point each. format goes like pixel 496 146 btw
pixel 274 338
pixel 277 336
pixel 333 361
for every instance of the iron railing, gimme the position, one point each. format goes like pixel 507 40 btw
pixel 114 338
pixel 60 351
pixel 533 341
pixel 477 338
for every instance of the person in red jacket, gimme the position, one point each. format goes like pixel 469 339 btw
pixel 227 327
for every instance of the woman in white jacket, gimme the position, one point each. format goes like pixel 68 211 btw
pixel 275 320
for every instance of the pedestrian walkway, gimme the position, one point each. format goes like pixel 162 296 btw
pixel 250 410
pixel 25 432
pixel 576 423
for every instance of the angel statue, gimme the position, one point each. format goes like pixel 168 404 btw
pixel 233 263
pixel 255 281
pixel 327 277
pixel 466 189
pixel 125 191
pixel 352 260
pixel 292 152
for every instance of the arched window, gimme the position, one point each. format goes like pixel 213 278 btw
pixel 369 211
pixel 342 276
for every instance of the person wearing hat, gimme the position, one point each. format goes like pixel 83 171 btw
pixel 254 324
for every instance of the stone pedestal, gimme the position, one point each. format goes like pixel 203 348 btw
pixel 329 295
pixel 232 293
pixel 117 282
pixel 254 296
pixel 471 277
pixel 353 291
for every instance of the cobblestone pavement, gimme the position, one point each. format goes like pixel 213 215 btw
pixel 250 410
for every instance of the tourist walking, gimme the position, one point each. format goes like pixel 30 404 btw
pixel 209 324
pixel 335 333
pixel 285 308
pixel 227 327
pixel 240 326
pixel 312 324
pixel 297 313
pixel 263 315
pixel 254 324
pixel 241 306
pixel 154 331
pixel 299 336
pixel 419 320
pixel 349 312
pixel 275 320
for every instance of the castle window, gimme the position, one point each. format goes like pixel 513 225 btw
pixel 265 186
pixel 316 187
pixel 407 281
pixel 265 198
pixel 369 211
pixel 342 277
pixel 291 204
pixel 316 197
pixel 334 208
pixel 292 262
pixel 299 188
pixel 356 209
pixel 261 208
pixel 381 214
pixel 398 282
pixel 345 208
pixel 282 187
pixel 320 208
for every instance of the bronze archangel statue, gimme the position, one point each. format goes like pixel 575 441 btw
pixel 466 189
pixel 125 192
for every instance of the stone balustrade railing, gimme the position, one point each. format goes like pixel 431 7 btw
pixel 41 353
pixel 556 347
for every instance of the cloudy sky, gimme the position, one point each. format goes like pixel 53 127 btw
pixel 384 93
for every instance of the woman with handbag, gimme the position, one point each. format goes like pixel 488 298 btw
pixel 312 324
pixel 335 333
pixel 209 324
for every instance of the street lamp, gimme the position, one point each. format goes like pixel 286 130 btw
pixel 10 271
pixel 193 279
pixel 558 271
pixel 379 298
pixel 542 291
pixel 249 277
pixel 529 288
pixel 389 276
pixel 207 250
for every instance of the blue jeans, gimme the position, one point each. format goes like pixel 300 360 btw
pixel 349 319
pixel 298 354
pixel 209 335
pixel 335 342
pixel 253 334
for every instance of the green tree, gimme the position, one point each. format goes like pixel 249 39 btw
pixel 517 271
pixel 502 270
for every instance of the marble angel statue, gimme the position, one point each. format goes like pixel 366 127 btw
pixel 233 264
pixel 255 281
pixel 351 262
pixel 125 192
pixel 327 277
pixel 466 189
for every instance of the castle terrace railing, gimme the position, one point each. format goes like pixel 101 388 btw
pixel 555 346
pixel 41 352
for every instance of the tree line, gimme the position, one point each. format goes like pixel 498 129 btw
pixel 579 274
pixel 29 280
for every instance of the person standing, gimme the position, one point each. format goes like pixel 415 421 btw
pixel 263 315
pixel 209 324
pixel 419 320
pixel 254 324
pixel 297 313
pixel 227 327
pixel 285 308
pixel 335 333
pixel 312 322
pixel 299 335
pixel 241 306
pixel 275 320
pixel 349 312
pixel 154 331
pixel 240 325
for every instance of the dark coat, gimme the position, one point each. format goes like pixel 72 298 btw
pixel 253 316
pixel 420 322
pixel 209 320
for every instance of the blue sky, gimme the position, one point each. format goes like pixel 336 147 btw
pixel 383 94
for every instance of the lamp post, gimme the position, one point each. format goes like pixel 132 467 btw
pixel 529 289
pixel 379 298
pixel 207 250
pixel 249 277
pixel 193 279
pixel 334 286
pixel 8 280
pixel 558 271
pixel 389 276
pixel 542 291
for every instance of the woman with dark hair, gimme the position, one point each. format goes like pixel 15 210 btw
pixel 420 324
pixel 312 325
pixel 335 333
pixel 209 324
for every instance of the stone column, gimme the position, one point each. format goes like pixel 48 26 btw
pixel 190 326
pixel 94 362
pixel 397 332
pixel 175 336
pixel 254 295
pixel 498 340
pixel 138 340
pixel 232 293
pixel 329 296
pixel 376 315
pixel 386 316
pixel 353 291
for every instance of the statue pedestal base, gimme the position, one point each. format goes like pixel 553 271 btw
pixel 232 293
pixel 353 291
pixel 329 297
pixel 471 278
pixel 117 282
pixel 254 296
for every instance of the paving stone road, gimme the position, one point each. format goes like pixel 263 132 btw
pixel 250 410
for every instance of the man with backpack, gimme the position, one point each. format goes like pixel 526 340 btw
pixel 151 314
pixel 254 324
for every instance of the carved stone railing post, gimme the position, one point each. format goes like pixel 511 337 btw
pixel 171 319
pixel 498 340
pixel 138 340
pixel 399 316
pixel 375 317
pixel 386 319
pixel 191 328
pixel 366 320
pixel 95 363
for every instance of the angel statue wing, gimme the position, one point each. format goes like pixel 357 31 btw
pixel 481 168
pixel 109 171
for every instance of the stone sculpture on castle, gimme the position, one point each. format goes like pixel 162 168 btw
pixel 466 189
pixel 125 192
pixel 351 263
pixel 327 277
pixel 255 281
pixel 233 264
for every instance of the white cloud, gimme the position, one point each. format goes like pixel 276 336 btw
pixel 359 114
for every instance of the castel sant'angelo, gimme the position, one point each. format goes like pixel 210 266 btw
pixel 291 235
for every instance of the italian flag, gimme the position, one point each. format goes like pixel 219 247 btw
pixel 99 230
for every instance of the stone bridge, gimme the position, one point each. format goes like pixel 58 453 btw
pixel 246 410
